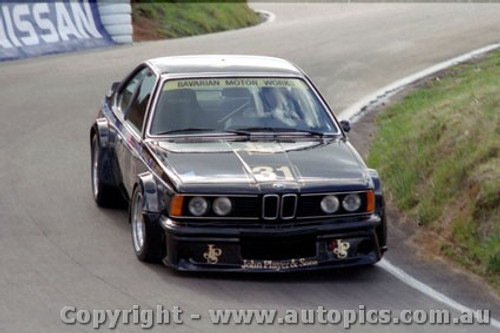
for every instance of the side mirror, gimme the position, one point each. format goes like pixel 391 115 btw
pixel 346 125
pixel 114 86
pixel 113 89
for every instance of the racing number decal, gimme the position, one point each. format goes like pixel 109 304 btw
pixel 271 173
pixel 264 173
pixel 287 173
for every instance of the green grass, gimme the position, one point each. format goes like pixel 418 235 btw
pixel 156 20
pixel 438 152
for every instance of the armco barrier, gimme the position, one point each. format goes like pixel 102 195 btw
pixel 29 29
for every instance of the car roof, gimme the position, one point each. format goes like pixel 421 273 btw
pixel 220 64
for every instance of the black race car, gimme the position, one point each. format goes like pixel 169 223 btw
pixel 234 163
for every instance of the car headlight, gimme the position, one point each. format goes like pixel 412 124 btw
pixel 351 202
pixel 198 206
pixel 222 206
pixel 330 204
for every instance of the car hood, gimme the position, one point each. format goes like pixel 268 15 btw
pixel 303 164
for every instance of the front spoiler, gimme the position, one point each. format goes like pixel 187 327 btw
pixel 264 250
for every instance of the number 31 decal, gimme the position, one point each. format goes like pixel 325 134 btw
pixel 271 173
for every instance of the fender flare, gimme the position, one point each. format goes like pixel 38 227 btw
pixel 101 129
pixel 377 189
pixel 373 174
pixel 152 198
pixel 379 208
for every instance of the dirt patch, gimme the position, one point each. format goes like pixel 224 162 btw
pixel 145 30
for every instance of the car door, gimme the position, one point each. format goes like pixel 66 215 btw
pixel 132 102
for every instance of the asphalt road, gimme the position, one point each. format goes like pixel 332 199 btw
pixel 58 249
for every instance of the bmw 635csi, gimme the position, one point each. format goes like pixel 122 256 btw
pixel 234 163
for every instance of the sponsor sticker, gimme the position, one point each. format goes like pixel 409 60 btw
pixel 277 265
pixel 341 248
pixel 229 83
pixel 212 254
pixel 30 28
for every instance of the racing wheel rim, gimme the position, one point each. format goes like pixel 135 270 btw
pixel 138 226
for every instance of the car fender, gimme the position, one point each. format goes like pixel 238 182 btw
pixel 153 202
pixel 379 209
pixel 101 129
pixel 377 186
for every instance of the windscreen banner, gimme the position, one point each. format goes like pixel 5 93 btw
pixel 30 29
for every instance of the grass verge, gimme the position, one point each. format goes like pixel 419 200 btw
pixel 438 152
pixel 159 20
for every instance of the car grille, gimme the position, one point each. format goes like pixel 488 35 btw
pixel 275 206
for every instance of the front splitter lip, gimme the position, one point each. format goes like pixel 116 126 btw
pixel 187 266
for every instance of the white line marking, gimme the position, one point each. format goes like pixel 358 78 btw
pixel 267 15
pixel 354 111
pixel 427 290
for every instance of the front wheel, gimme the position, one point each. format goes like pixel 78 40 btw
pixel 147 235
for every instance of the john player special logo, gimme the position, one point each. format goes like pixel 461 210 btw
pixel 212 254
pixel 341 250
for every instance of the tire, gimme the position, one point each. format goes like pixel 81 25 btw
pixel 125 39
pixel 114 8
pixel 105 195
pixel 147 236
pixel 119 29
pixel 112 19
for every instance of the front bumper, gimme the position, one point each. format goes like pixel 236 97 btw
pixel 272 249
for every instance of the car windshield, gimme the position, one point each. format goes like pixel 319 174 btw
pixel 239 105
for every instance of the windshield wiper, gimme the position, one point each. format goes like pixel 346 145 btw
pixel 189 129
pixel 279 129
pixel 247 131
pixel 200 129
pixel 238 132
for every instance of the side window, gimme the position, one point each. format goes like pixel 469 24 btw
pixel 137 108
pixel 127 93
